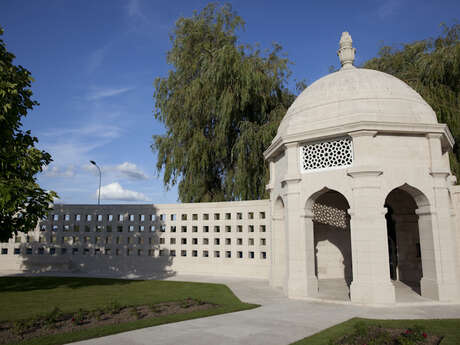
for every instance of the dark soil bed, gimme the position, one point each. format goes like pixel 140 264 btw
pixel 58 322
pixel 389 336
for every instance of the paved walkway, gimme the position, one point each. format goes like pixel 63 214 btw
pixel 278 321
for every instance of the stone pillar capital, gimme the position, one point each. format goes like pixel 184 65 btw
pixel 307 214
pixel 440 173
pixel 291 145
pixel 364 171
pixel 425 211
pixel 291 179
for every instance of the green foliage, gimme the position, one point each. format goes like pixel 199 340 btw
pixel 20 327
pixel 135 313
pixel 22 201
pixel 50 319
pixel 415 335
pixel 432 68
pixel 387 332
pixel 221 105
pixel 114 307
pixel 361 329
pixel 78 317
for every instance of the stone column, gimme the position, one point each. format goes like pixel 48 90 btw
pixel 430 253
pixel 443 234
pixel 407 237
pixel 272 178
pixel 455 220
pixel 308 244
pixel 369 243
pixel 278 256
pixel 301 280
pixel 296 283
pixel 276 226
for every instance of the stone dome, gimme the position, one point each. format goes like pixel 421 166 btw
pixel 354 95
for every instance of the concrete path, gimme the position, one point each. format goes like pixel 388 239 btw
pixel 278 321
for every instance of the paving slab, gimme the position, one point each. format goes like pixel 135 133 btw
pixel 279 321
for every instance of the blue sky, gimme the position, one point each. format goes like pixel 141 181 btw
pixel 94 63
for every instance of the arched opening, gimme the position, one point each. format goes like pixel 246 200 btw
pixel 278 270
pixel 332 243
pixel 405 255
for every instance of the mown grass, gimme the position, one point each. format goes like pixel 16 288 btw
pixel 449 328
pixel 27 297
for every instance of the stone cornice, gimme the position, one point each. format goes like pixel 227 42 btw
pixel 364 171
pixel 347 129
pixel 291 178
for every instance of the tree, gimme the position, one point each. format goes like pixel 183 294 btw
pixel 221 105
pixel 22 201
pixel 432 68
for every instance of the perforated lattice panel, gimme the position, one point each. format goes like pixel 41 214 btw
pixel 327 154
pixel 329 215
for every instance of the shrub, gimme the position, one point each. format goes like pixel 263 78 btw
pixel 53 317
pixel 20 327
pixel 78 317
pixel 156 308
pixel 114 307
pixel 135 313
pixel 412 336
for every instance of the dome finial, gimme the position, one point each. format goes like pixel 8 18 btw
pixel 346 52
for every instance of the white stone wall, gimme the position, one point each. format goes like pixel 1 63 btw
pixel 225 239
pixel 455 191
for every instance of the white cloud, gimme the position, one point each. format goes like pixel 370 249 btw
pixel 126 169
pixel 96 58
pixel 92 130
pixel 388 8
pixel 114 191
pixel 134 9
pixel 99 93
pixel 132 171
pixel 54 171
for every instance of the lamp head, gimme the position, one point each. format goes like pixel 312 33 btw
pixel 93 162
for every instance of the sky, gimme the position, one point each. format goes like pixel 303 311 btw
pixel 94 64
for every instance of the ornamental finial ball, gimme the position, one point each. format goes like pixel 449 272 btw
pixel 346 52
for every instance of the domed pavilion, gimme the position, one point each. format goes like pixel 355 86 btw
pixel 360 191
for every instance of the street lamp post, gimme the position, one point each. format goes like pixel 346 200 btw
pixel 100 178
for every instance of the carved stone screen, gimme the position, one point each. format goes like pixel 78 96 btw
pixel 329 215
pixel 327 154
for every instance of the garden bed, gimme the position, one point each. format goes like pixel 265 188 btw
pixel 56 321
pixel 378 335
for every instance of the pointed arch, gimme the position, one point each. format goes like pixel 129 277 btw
pixel 410 238
pixel 327 214
pixel 278 208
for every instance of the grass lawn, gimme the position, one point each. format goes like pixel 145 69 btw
pixel 449 328
pixel 27 297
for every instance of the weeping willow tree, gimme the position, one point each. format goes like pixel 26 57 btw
pixel 221 105
pixel 432 68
